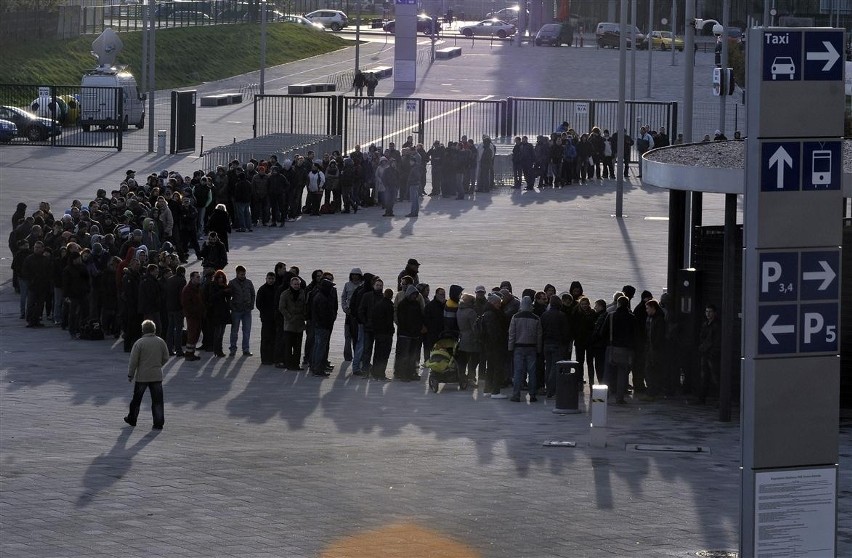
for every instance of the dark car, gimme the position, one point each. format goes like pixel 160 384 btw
pixel 554 34
pixel 32 127
pixel 8 131
pixel 609 35
pixel 424 25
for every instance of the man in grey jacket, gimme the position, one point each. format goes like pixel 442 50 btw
pixel 242 303
pixel 525 340
pixel 147 357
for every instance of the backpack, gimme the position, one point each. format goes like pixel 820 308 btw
pixel 201 193
pixel 92 331
pixel 479 328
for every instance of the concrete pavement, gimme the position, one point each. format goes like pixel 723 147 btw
pixel 258 462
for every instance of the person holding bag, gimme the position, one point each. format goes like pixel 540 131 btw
pixel 619 352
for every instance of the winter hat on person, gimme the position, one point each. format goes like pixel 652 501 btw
pixel 506 285
pixel 494 297
pixel 355 271
pixel 411 290
pixel 456 292
pixel 555 301
pixel 480 289
pixel 526 304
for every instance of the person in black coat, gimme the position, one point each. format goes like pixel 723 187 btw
pixel 381 321
pixel 619 330
pixel 323 315
pixel 220 223
pixel 213 252
pixel 655 347
pixel 434 320
pixel 410 320
pixel 75 287
pixel 266 302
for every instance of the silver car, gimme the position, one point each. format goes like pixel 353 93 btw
pixel 488 28
pixel 332 19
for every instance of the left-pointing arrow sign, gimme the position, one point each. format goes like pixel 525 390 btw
pixel 831 56
pixel 827 275
pixel 769 329
pixel 779 159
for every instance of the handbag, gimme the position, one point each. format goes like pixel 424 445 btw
pixel 618 356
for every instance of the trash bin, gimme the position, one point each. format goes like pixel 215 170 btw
pixel 161 142
pixel 566 387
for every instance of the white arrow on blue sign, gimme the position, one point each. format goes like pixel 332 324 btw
pixel 823 51
pixel 779 171
pixel 777 329
pixel 819 275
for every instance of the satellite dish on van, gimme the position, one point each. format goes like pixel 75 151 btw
pixel 106 47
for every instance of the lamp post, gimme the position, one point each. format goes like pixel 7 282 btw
pixel 262 45
pixel 719 31
pixel 358 38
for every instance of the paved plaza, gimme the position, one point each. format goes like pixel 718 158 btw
pixel 257 462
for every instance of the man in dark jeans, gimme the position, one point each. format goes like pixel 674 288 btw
pixel 147 358
pixel 323 313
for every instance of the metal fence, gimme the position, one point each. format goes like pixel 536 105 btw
pixel 362 121
pixel 531 117
pixel 65 116
pixel 705 118
pixel 74 116
pixel 285 146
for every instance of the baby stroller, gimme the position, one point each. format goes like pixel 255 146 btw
pixel 442 365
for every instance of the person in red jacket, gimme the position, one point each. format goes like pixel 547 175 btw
pixel 193 311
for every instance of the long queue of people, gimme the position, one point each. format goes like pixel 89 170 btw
pixel 93 272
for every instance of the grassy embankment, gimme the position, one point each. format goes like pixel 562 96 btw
pixel 185 56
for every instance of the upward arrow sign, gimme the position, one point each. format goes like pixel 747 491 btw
pixel 779 159
pixel 831 56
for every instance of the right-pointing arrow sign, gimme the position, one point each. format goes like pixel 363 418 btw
pixel 779 159
pixel 827 275
pixel 769 329
pixel 830 55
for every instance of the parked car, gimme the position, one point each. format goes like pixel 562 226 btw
pixel 332 19
pixel 8 130
pixel 489 27
pixel 272 16
pixel 424 25
pixel 554 34
pixel 662 40
pixel 299 20
pixel 190 16
pixel 609 34
pixel 509 15
pixel 34 128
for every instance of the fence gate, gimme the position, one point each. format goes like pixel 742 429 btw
pixel 51 115
pixel 183 121
pixel 532 117
pixel 298 114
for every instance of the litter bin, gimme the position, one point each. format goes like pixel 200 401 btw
pixel 161 142
pixel 566 387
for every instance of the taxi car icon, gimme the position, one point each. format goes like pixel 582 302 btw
pixel 783 65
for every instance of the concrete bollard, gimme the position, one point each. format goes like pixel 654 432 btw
pixel 597 437
pixel 566 388
pixel 161 142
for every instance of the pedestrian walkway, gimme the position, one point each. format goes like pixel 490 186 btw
pixel 256 462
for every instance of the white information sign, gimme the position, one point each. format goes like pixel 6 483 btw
pixel 581 109
pixel 411 106
pixel 795 512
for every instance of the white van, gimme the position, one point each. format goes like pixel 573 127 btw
pixel 99 103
